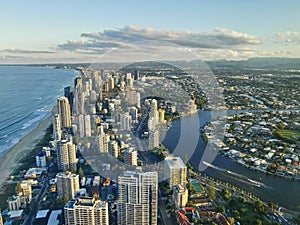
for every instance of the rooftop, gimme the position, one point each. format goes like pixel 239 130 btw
pixel 42 214
pixel 15 213
pixel 53 217
pixel 175 162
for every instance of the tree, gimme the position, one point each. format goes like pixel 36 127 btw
pixel 221 209
pixel 258 222
pixel 211 191
pixel 227 194
pixel 231 220
pixel 19 188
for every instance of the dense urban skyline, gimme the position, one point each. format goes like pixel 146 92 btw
pixel 80 32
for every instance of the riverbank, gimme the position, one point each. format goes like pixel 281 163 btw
pixel 11 158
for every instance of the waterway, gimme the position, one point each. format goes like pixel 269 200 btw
pixel 267 187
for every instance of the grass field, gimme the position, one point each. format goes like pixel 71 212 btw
pixel 290 135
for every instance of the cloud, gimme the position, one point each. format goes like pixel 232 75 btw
pixel 289 37
pixel 99 42
pixel 23 51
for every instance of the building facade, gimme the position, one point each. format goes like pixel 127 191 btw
pixel 175 171
pixel 67 184
pixel 66 155
pixel 138 198
pixel 64 112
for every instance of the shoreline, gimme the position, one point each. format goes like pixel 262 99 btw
pixel 10 158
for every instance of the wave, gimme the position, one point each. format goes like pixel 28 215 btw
pixel 34 121
pixel 15 122
pixel 239 177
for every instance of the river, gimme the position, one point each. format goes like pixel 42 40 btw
pixel 267 187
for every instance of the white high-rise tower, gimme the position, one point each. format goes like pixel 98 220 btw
pixel 138 199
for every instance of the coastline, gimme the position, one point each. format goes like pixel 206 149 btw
pixel 10 159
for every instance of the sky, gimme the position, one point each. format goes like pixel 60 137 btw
pixel 35 31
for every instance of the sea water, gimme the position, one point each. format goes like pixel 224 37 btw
pixel 27 95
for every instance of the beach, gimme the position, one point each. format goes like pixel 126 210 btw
pixel 9 159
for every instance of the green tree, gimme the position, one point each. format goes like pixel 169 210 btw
pixel 221 209
pixel 18 188
pixel 231 220
pixel 227 194
pixel 258 222
pixel 211 191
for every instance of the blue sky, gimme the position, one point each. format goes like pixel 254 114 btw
pixel 41 31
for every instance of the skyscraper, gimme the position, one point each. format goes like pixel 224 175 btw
pixel 79 96
pixel 69 93
pixel 137 202
pixel 86 211
pixel 153 126
pixel 66 155
pixel 84 125
pixel 64 112
pixel 113 148
pixel 67 184
pixel 102 142
pixel 125 121
pixel 153 139
pixel 57 127
pixel 130 156
pixel 175 171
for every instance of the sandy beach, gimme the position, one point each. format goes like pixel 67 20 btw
pixel 9 160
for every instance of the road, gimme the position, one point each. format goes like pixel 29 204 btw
pixel 30 218
pixel 162 210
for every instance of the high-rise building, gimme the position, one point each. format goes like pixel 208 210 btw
pixel 102 142
pixel 130 156
pixel 154 111
pixel 129 80
pixel 84 125
pixel 113 148
pixel 137 203
pixel 153 139
pixel 79 96
pixel 69 93
pixel 87 125
pixel 136 74
pixel 57 127
pixel 180 196
pixel 125 121
pixel 111 83
pixel 81 125
pixel 161 115
pixel 40 159
pixel 133 112
pixel 66 155
pixel 64 112
pixel 153 126
pixel 175 171
pixel 86 211
pixel 67 184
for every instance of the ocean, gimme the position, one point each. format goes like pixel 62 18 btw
pixel 27 95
